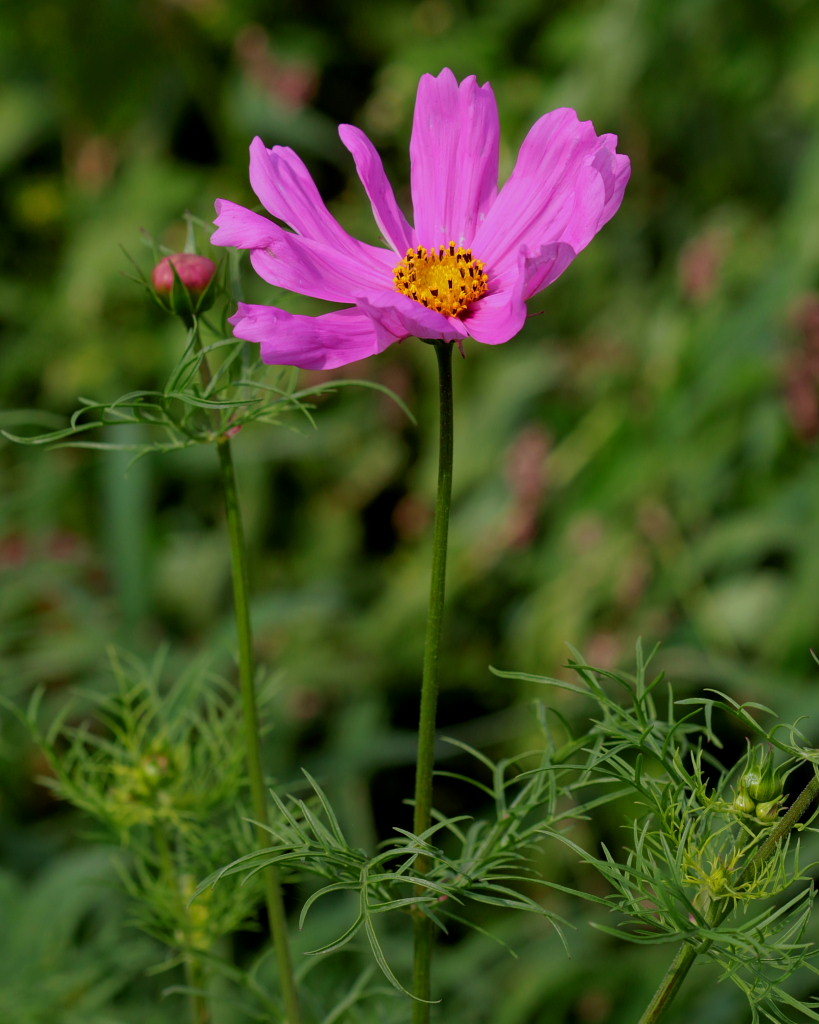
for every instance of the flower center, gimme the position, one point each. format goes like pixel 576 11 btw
pixel 446 279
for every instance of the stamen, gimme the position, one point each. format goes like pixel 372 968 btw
pixel 429 277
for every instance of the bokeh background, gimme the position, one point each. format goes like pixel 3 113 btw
pixel 641 461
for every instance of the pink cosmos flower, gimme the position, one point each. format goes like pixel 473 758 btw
pixel 471 261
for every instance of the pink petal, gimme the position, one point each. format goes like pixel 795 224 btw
pixel 615 170
pixel 589 197
pixel 400 316
pixel 454 155
pixel 309 342
pixel 546 266
pixel 555 193
pixel 499 316
pixel 392 222
pixel 299 264
pixel 242 228
pixel 310 268
pixel 287 191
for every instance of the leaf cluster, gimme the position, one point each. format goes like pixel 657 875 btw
pixel 63 953
pixel 459 861
pixel 194 406
pixel 688 869
pixel 214 390
pixel 159 768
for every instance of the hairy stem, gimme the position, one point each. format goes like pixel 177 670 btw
pixel 716 914
pixel 422 925
pixel 247 670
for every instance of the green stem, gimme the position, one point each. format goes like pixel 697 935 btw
pixel 672 980
pixel 194 976
pixel 422 925
pixel 200 1014
pixel 258 791
pixel 238 560
pixel 715 915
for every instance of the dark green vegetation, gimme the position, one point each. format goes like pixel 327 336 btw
pixel 641 461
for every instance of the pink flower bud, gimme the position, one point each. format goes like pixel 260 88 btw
pixel 184 280
pixel 195 272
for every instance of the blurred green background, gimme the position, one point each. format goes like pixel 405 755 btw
pixel 641 461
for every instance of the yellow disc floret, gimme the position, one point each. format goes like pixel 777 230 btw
pixel 446 279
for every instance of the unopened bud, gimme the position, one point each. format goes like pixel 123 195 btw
pixel 760 780
pixel 184 281
pixel 717 880
pixel 768 811
pixel 743 803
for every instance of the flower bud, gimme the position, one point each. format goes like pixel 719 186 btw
pixel 184 283
pixel 743 803
pixel 760 780
pixel 717 880
pixel 768 811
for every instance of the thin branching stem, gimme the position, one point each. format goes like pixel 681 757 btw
pixel 274 898
pixel 422 925
pixel 717 913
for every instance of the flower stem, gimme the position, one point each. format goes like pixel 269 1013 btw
pixel 238 560
pixel 715 914
pixel 272 878
pixel 422 925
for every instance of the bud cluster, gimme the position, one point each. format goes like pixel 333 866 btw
pixel 760 787
pixel 143 790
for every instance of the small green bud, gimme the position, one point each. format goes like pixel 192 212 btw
pixel 717 880
pixel 743 803
pixel 760 780
pixel 768 811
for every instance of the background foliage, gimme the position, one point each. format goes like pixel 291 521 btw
pixel 640 461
